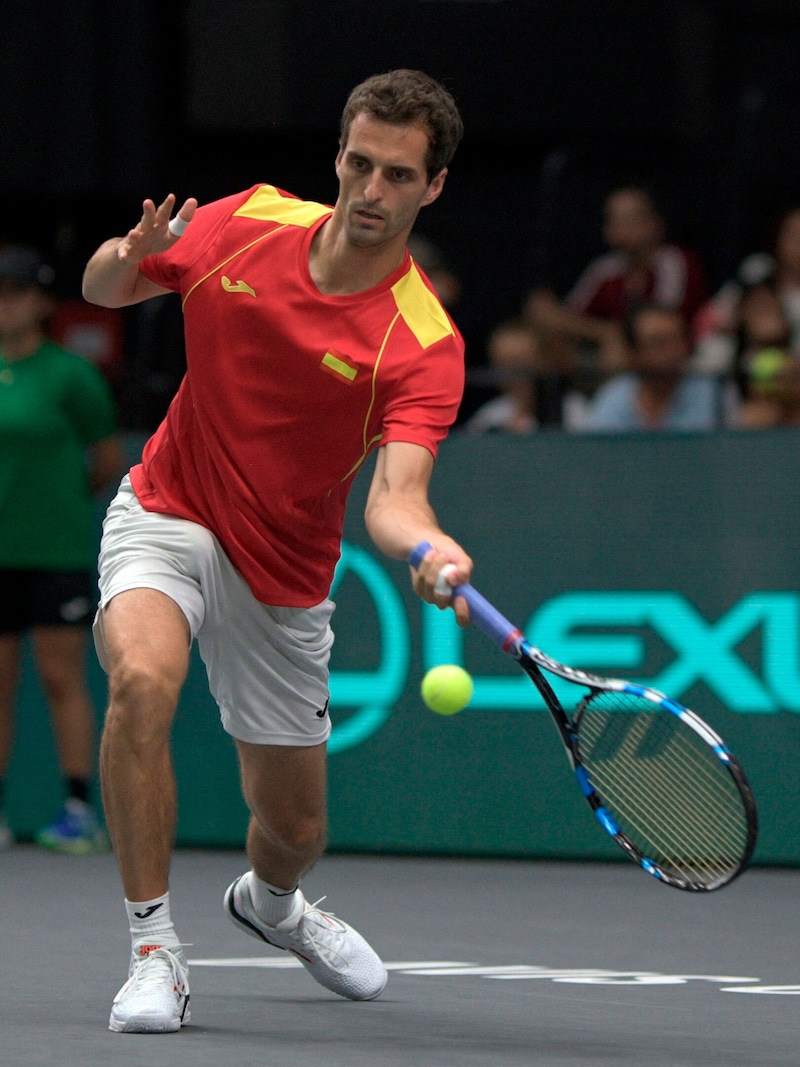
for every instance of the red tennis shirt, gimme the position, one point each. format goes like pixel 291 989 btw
pixel 287 390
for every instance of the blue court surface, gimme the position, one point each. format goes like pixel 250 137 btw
pixel 491 963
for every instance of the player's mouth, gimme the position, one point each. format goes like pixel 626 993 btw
pixel 368 216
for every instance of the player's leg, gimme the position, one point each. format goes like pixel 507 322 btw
pixel 145 641
pixel 146 645
pixel 285 788
pixel 268 669
pixel 152 603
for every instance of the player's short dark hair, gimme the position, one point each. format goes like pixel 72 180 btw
pixel 407 98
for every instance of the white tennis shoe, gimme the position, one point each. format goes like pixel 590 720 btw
pixel 331 951
pixel 155 999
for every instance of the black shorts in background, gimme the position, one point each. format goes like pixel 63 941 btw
pixel 30 598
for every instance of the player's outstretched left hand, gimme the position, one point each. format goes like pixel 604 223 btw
pixel 152 233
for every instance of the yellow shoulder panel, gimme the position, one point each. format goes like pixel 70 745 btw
pixel 267 203
pixel 421 311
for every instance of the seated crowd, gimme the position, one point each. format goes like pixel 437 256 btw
pixel 639 344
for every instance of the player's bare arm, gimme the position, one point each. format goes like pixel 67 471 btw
pixel 398 516
pixel 112 277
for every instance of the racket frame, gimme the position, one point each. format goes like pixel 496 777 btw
pixel 534 661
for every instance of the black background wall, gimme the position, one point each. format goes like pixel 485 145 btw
pixel 106 101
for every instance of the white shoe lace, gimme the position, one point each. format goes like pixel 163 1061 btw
pixel 324 934
pixel 158 967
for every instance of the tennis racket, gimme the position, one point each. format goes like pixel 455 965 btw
pixel 660 781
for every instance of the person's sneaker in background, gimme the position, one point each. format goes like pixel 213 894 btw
pixel 76 830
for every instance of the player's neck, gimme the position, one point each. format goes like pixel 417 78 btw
pixel 338 267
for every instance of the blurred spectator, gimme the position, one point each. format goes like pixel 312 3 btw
pixel 658 392
pixel 95 333
pixel 155 361
pixel 515 356
pixel 447 282
pixel 768 365
pixel 719 323
pixel 761 325
pixel 441 276
pixel 58 447
pixel 640 266
pixel 773 393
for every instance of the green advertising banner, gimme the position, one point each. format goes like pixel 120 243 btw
pixel 670 560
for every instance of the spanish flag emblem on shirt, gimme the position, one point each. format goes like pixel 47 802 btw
pixel 339 366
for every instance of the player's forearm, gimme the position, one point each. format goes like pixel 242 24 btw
pixel 396 526
pixel 108 281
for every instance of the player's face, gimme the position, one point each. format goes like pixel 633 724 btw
pixel 383 182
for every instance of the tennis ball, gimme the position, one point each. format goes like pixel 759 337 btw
pixel 766 367
pixel 447 689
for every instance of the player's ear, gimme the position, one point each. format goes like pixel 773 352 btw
pixel 435 187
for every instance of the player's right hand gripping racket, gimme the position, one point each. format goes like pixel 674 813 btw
pixel 661 782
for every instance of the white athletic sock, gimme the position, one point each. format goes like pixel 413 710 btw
pixel 150 919
pixel 272 904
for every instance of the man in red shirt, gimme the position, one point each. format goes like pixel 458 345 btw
pixel 641 267
pixel 312 338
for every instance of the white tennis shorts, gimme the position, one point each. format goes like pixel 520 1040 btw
pixel 267 666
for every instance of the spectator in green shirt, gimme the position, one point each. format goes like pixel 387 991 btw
pixel 58 446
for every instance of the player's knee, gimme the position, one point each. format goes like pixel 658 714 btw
pixel 141 697
pixel 308 836
pixel 301 836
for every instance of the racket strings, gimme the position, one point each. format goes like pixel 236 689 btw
pixel 656 834
pixel 716 797
pixel 666 787
pixel 659 833
pixel 664 809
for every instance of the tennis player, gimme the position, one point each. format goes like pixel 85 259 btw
pixel 312 338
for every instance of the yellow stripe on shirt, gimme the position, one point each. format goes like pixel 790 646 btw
pixel 267 204
pixel 421 309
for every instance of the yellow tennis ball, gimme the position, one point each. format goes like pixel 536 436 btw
pixel 447 689
pixel 766 368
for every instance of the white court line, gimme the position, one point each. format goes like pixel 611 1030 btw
pixel 769 990
pixel 284 962
pixel 524 972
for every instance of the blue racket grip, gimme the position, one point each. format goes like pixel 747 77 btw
pixel 483 614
